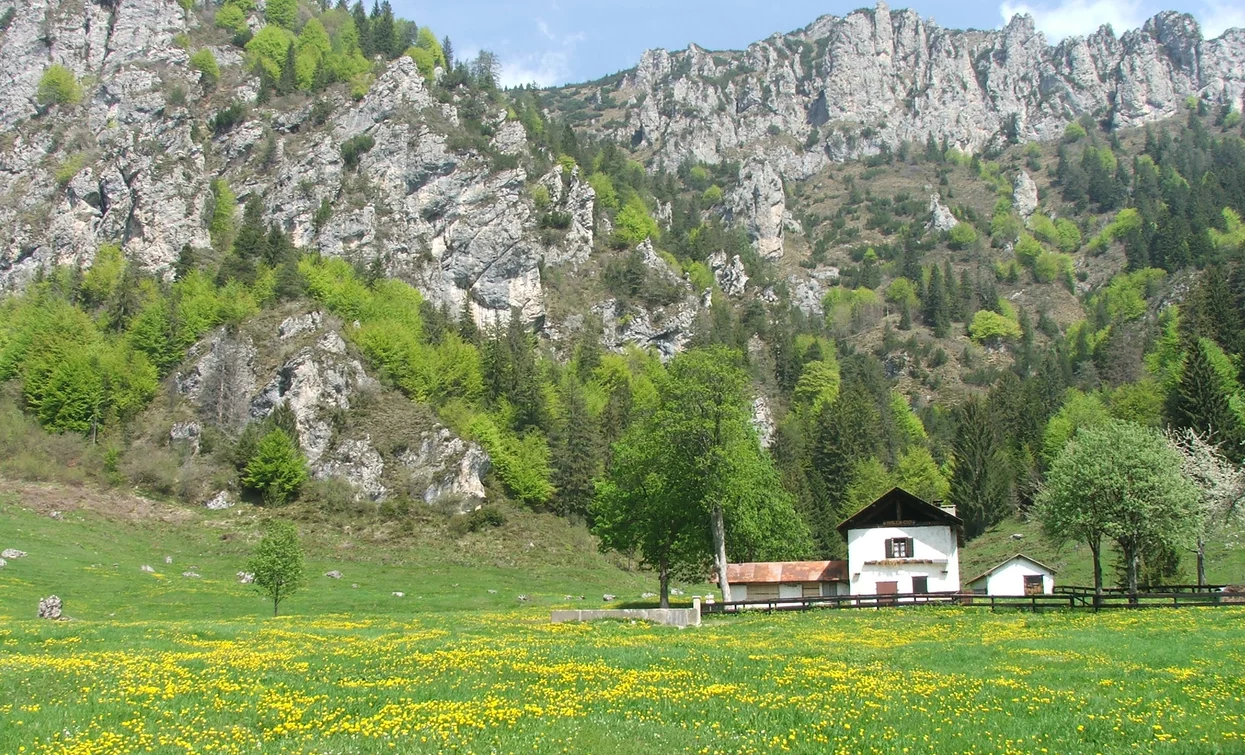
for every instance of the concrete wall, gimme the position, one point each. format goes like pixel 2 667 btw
pixel 1010 579
pixel 674 617
pixel 929 542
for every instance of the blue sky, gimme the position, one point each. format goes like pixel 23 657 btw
pixel 551 42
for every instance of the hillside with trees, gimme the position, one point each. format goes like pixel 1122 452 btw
pixel 501 303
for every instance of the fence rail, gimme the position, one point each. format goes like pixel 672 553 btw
pixel 1065 600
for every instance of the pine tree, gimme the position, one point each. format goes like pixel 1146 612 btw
pixel 937 313
pixel 1200 402
pixel 846 432
pixel 980 483
pixel 287 83
pixel 575 463
pixel 447 48
pixel 384 38
pixel 364 28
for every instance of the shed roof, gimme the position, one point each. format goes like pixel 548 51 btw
pixel 900 505
pixel 1022 556
pixel 786 572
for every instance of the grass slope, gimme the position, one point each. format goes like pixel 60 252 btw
pixel 162 663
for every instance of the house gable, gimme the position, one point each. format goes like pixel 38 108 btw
pixel 899 508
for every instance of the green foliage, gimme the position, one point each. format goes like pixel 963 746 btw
pixel 520 461
pixel 1028 249
pixel 224 212
pixel 980 487
pixel 58 86
pixel 962 236
pixel 1067 235
pixel 908 427
pixel 633 224
pixel 1043 228
pixel 283 13
pixel 1233 238
pixel 1122 482
pixel 70 168
pixel 277 563
pixel 231 18
pixel 104 275
pixel 1079 410
pixel 712 195
pixel 991 326
pixel 540 197
pixel 603 185
pixel 1052 266
pixel 268 50
pixel 818 386
pixel 1074 132
pixel 204 62
pixel 278 468
pixel 918 473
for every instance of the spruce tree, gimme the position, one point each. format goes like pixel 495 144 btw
pixel 575 461
pixel 937 312
pixel 1200 402
pixel 981 481
pixel 846 432
pixel 287 83
pixel 364 27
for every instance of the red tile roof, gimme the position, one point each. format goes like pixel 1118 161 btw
pixel 787 572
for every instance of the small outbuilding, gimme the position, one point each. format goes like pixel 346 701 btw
pixel 787 579
pixel 1018 575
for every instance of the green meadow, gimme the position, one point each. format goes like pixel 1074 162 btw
pixel 162 663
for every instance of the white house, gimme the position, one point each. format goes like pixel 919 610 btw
pixel 900 544
pixel 789 579
pixel 1018 575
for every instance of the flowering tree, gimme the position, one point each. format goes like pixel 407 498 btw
pixel 1221 483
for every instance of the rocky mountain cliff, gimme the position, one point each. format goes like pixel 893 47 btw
pixel 852 86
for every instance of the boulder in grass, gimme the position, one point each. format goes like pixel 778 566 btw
pixel 3 563
pixel 524 598
pixel 399 595
pixel 246 578
pixel 168 559
pixel 333 574
pixel 608 598
pixel 192 575
pixel 148 569
pixel 220 502
pixel 648 595
pixel 50 608
pixel 12 554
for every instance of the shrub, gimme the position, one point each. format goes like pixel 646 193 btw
pixel 231 18
pixel 283 13
pixel 1068 236
pixel 58 86
pixel 1051 266
pixel 540 196
pixel 204 62
pixel 603 185
pixel 633 224
pixel 962 236
pixel 72 166
pixel 489 517
pixel 991 326
pixel 1028 249
pixel 225 120
pixel 712 195
pixel 1074 132
pixel 354 148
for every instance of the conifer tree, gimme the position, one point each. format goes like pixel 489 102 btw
pixel 576 455
pixel 287 83
pixel 937 312
pixel 980 483
pixel 1199 402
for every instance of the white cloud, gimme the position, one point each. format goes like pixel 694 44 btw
pixel 548 67
pixel 1068 18
pixel 1217 17
pixel 1071 18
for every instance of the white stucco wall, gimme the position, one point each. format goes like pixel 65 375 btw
pixel 1010 579
pixel 929 542
pixel 740 591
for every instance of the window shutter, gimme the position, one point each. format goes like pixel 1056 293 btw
pixel 911 552
pixel 890 548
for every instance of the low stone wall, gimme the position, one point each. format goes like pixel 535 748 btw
pixel 674 617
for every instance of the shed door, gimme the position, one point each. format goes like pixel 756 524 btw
pixel 812 590
pixel 920 585
pixel 888 588
pixel 1033 584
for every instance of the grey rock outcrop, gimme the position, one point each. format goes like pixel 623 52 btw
pixel 188 435
pixel 729 274
pixel 941 218
pixel 763 421
pixel 445 467
pixel 1025 195
pixel 220 379
pixel 220 502
pixel 51 608
pixel 760 202
pixel 851 86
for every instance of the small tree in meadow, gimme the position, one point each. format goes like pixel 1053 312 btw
pixel 277 563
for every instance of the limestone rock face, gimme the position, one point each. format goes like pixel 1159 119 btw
pixel 447 468
pixel 730 275
pixel 941 217
pixel 846 87
pixel 761 203
pixel 1025 195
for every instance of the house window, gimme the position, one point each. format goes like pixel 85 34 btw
pixel 900 547
pixel 1034 584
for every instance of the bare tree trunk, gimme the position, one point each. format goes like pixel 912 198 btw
pixel 1201 562
pixel 1134 560
pixel 276 600
pixel 1095 547
pixel 664 576
pixel 719 550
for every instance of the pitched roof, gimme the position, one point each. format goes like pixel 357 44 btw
pixel 899 505
pixel 786 572
pixel 1033 561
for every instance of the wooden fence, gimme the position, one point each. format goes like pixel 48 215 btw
pixel 1066 599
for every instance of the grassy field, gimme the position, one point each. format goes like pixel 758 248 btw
pixel 163 663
